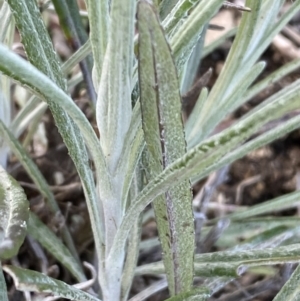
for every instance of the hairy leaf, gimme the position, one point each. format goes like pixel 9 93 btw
pixel 14 212
pixel 163 131
pixel 31 281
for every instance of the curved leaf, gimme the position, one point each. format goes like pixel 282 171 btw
pixel 41 184
pixel 31 281
pixel 54 246
pixel 41 85
pixel 204 156
pixel 40 53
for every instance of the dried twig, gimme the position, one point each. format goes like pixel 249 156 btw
pixel 228 4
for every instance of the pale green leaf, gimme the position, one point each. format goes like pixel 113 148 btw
pixel 113 110
pixel 113 115
pixel 267 239
pixel 132 253
pixel 253 229
pixel 202 159
pixel 271 79
pixel 40 84
pixel 98 12
pixel 273 28
pixel 150 290
pixel 14 211
pixel 264 256
pixel 6 37
pixel 198 294
pixel 54 246
pixel 253 30
pixel 163 132
pixel 187 36
pixel 291 200
pixel 291 289
pixel 131 260
pixel 40 53
pixel 191 67
pixel 193 117
pixel 233 263
pixel 131 152
pixel 77 57
pixel 3 289
pixel 39 181
pixel 178 12
pixel 5 17
pixel 31 281
pixel 257 142
pixel 231 78
pixel 29 166
pixel 34 108
pixel 4 118
pixel 166 7
pixel 36 40
pixel 231 102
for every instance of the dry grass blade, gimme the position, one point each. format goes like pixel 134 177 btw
pixel 228 4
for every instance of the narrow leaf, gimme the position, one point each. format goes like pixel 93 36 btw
pixel 282 254
pixel 14 211
pixel 290 200
pixel 150 290
pixel 43 87
pixel 34 106
pixel 114 95
pixel 178 12
pixel 230 79
pixel 5 17
pixel 3 289
pixel 31 281
pixel 192 65
pixel 198 294
pixel 256 143
pixel 187 36
pixel 7 30
pixel 131 152
pixel 114 110
pixel 271 79
pixel 195 136
pixel 40 53
pixel 165 7
pixel 291 290
pixel 29 166
pixel 39 181
pixel 232 263
pixel 36 40
pixel 202 159
pixel 163 131
pixel 98 12
pixel 273 28
pixel 54 246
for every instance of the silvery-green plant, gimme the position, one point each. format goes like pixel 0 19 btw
pixel 143 52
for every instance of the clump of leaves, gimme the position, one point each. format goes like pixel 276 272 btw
pixel 145 153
